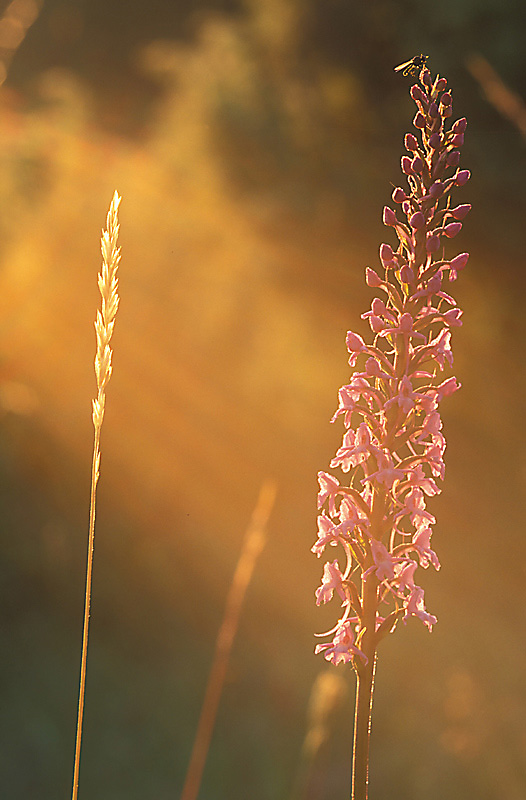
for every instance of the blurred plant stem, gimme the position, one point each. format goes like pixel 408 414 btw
pixel 252 547
pixel 328 691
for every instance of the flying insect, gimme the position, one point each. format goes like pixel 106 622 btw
pixel 412 66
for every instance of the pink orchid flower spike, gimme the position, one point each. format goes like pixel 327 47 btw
pixel 391 457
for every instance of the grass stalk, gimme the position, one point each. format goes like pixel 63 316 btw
pixel 252 546
pixel 108 287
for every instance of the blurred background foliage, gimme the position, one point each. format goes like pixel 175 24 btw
pixel 254 143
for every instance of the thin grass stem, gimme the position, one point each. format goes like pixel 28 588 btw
pixel 108 286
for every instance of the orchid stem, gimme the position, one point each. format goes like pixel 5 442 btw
pixel 362 730
pixel 364 691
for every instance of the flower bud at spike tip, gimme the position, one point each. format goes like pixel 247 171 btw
pixel 407 275
pixel 410 142
pixel 398 195
pixel 386 254
pixel 461 211
pixel 372 278
pixel 459 126
pixel 432 243
pixel 436 190
pixel 406 165
pixel 417 221
pixel 460 261
pixel 378 307
pixel 418 95
pixel 389 216
pixel 462 177
pixel 426 78
pixel 457 264
pixel 372 367
pixel 376 323
pixel 452 229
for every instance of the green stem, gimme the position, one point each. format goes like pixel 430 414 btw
pixel 364 692
pixel 362 730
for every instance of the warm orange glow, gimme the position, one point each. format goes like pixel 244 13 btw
pixel 252 199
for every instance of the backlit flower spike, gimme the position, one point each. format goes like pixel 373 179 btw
pixel 391 459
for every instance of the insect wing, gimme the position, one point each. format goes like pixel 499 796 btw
pixel 404 66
